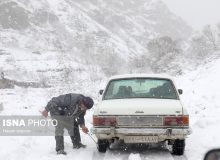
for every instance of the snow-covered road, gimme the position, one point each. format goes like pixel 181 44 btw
pixel 36 148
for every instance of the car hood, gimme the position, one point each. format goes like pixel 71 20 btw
pixel 140 106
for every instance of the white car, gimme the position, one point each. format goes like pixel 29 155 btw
pixel 138 108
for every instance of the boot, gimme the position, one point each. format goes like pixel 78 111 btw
pixel 79 145
pixel 61 152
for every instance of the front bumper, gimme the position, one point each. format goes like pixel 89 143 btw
pixel 162 133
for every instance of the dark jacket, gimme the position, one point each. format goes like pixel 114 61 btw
pixel 67 105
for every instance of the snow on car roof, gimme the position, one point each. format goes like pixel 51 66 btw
pixel 140 75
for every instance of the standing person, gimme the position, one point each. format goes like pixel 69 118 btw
pixel 69 111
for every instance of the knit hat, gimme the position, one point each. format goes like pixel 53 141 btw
pixel 88 102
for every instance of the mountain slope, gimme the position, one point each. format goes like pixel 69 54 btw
pixel 68 38
pixel 75 26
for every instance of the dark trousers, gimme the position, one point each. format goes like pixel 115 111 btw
pixel 73 130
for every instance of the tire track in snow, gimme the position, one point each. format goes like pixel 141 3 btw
pixel 144 153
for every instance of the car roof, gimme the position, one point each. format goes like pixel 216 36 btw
pixel 141 76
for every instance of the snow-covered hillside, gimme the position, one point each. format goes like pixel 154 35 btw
pixel 90 32
pixel 65 43
pixel 70 25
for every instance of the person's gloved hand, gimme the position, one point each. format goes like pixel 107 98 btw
pixel 44 113
pixel 85 129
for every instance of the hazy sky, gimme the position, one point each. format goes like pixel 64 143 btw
pixel 196 12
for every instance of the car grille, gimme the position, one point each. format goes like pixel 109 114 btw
pixel 139 121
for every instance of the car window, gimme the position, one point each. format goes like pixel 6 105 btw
pixel 140 88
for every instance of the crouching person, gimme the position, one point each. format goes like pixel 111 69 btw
pixel 69 111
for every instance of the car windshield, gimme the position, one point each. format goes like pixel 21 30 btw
pixel 140 88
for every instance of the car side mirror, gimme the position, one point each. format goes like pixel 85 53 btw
pixel 213 155
pixel 180 91
pixel 101 91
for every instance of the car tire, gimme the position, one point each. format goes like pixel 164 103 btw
pixel 102 145
pixel 179 147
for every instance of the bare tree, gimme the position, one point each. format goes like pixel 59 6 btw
pixel 164 51
pixel 109 61
pixel 211 36
pixel 140 64
pixel 200 48
pixel 218 27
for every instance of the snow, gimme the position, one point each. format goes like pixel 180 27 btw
pixel 202 98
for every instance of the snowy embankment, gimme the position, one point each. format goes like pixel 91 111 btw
pixel 201 97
